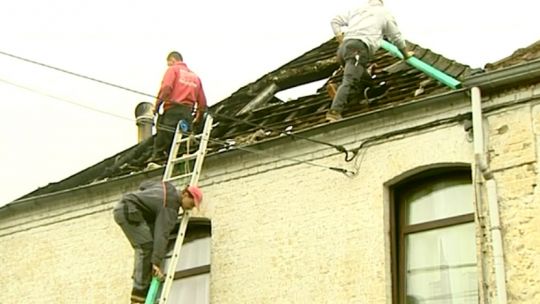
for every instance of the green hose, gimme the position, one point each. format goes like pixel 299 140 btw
pixel 422 66
pixel 152 292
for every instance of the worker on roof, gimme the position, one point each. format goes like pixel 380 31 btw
pixel 147 217
pixel 181 94
pixel 359 33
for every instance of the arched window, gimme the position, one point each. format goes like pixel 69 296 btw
pixel 434 244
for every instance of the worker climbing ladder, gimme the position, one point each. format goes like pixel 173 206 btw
pixel 169 176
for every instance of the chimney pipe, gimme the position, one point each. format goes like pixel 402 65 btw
pixel 145 120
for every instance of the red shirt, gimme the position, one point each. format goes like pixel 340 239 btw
pixel 185 87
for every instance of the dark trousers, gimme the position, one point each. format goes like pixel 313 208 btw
pixel 139 233
pixel 354 54
pixel 166 126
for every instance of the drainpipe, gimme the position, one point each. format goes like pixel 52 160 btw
pixel 491 193
pixel 145 120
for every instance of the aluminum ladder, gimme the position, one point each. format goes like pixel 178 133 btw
pixel 169 176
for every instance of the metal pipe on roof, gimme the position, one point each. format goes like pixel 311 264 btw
pixel 422 66
pixel 145 120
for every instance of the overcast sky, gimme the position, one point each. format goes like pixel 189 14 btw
pixel 44 137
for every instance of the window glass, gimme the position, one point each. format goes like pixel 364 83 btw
pixel 193 254
pixel 441 265
pixel 439 200
pixel 193 290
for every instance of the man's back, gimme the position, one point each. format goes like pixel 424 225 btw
pixel 151 196
pixel 186 86
pixel 368 23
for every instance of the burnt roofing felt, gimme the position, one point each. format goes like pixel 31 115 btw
pixel 253 112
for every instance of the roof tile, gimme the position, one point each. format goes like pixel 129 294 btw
pixel 275 116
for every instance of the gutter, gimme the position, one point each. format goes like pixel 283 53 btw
pixel 514 75
pixel 34 199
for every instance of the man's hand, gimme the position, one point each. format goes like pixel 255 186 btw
pixel 156 271
pixel 155 110
pixel 407 54
pixel 198 117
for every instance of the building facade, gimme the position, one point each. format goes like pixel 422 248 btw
pixel 407 220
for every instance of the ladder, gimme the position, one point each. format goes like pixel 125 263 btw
pixel 169 176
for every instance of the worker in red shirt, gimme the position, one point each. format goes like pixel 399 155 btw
pixel 181 94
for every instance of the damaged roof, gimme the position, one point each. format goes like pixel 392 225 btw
pixel 520 56
pixel 254 112
pixel 405 84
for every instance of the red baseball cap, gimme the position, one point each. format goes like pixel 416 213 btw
pixel 196 193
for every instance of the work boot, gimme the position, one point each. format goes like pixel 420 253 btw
pixel 136 299
pixel 157 157
pixel 152 166
pixel 138 296
pixel 333 115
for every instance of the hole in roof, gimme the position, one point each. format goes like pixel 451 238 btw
pixel 294 93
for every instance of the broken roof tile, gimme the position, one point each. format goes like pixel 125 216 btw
pixel 237 120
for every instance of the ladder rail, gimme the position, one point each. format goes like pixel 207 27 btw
pixel 201 153
pixel 172 153
pixel 173 261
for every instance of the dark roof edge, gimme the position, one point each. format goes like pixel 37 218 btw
pixel 91 171
pixel 25 200
pixel 342 123
pixel 491 80
pixel 513 75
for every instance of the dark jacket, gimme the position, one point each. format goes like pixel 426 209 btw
pixel 159 214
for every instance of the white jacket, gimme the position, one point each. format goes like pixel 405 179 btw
pixel 369 23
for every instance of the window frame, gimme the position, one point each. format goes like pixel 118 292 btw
pixel 399 230
pixel 195 225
